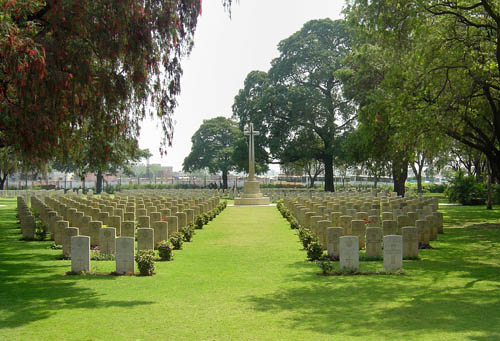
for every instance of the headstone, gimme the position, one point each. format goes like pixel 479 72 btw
pixel 128 229
pixel 128 216
pixel 181 219
pixel 358 228
pixel 189 215
pixel 389 227
pixel 116 222
pixel 95 228
pixel 333 235
pixel 321 227
pixel 80 254
pixel 59 229
pixel 160 231
pixel 125 255
pixel 345 223
pixel 349 252
pixel 68 233
pixel 439 221
pixel 172 225
pixel 107 240
pixel 393 252
pixel 410 242
pixel 374 241
pixel 143 221
pixel 145 239
pixel 423 230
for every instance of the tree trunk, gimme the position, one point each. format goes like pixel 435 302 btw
pixel 399 175
pixel 489 203
pixel 224 179
pixel 3 177
pixel 82 179
pixel 494 162
pixel 98 185
pixel 328 160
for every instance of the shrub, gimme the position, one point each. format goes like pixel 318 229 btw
pixel 188 232
pixel 205 218
pixel 294 223
pixel 145 262
pixel 40 231
pixel 199 222
pixel 465 190
pixel 177 239
pixel 437 188
pixel 314 251
pixel 306 237
pixel 165 250
pixel 326 265
pixel 98 256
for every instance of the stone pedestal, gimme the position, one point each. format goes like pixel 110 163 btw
pixel 252 195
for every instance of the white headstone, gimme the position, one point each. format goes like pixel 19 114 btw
pixel 393 252
pixel 349 252
pixel 125 255
pixel 80 254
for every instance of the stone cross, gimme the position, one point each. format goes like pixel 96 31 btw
pixel 251 152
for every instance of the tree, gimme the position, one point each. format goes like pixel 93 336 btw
pixel 9 163
pixel 450 79
pixel 213 147
pixel 301 96
pixel 68 63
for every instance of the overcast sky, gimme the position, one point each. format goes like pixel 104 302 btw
pixel 225 51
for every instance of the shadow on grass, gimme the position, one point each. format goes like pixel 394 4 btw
pixel 451 290
pixel 32 283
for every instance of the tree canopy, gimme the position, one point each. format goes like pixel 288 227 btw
pixel 73 68
pixel 213 146
pixel 441 71
pixel 298 106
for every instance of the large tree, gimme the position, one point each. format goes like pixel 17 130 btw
pixel 449 79
pixel 213 147
pixel 68 63
pixel 301 96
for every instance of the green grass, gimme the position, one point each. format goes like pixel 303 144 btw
pixel 460 216
pixel 244 277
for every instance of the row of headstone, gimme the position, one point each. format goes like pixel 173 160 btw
pixel 68 223
pixel 349 252
pixel 369 219
pixel 26 219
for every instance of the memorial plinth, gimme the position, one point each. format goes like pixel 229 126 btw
pixel 251 187
pixel 252 195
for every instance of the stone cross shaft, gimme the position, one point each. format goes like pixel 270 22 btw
pixel 251 151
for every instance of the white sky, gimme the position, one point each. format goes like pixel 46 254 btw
pixel 225 51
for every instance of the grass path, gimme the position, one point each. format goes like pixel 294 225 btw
pixel 244 278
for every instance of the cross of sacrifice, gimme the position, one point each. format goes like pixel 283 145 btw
pixel 251 151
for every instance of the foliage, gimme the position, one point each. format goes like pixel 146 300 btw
pixel 326 265
pixel 177 239
pixel 145 262
pixel 294 224
pixel 188 232
pixel 298 106
pixel 213 147
pixel 314 251
pixel 205 217
pixel 306 237
pixel 199 222
pixel 438 69
pixel 465 190
pixel 165 250
pixel 77 70
pixel 97 255
pixel 40 231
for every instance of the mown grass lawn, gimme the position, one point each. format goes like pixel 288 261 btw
pixel 244 277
